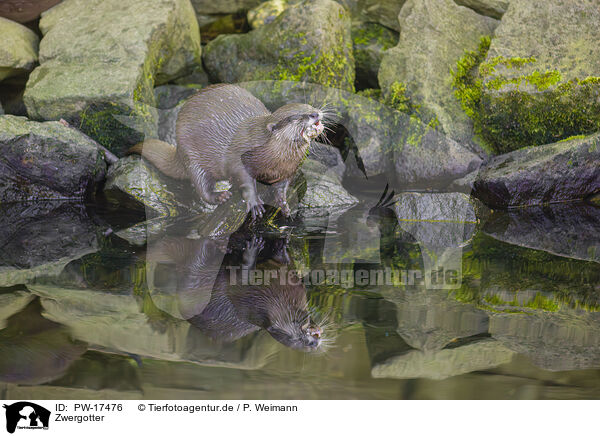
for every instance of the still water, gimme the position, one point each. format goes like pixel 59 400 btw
pixel 359 305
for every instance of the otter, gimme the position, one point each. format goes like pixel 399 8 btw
pixel 220 299
pixel 225 133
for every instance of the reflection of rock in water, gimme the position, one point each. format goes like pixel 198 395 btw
pixel 556 228
pixel 553 341
pixel 35 350
pixel 13 300
pixel 448 362
pixel 41 238
pixel 430 319
pixel 222 301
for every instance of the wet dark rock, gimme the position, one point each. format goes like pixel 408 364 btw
pixel 564 171
pixel 569 230
pixel 39 239
pixel 46 161
pixel 370 42
pixel 13 301
pixel 169 96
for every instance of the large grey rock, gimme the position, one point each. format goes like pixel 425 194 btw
pixel 435 34
pixel 18 49
pixel 534 77
pixel 39 239
pixel 564 171
pixel 292 47
pixel 46 161
pixel 100 59
pixel 137 180
pixel 491 8
pixel 323 188
pixel 266 12
pixel 442 364
pixel 558 229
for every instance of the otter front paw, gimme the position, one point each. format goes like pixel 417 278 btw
pixel 256 209
pixel 218 197
pixel 253 247
pixel 285 209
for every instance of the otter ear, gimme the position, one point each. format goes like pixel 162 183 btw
pixel 271 127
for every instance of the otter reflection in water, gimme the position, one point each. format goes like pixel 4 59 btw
pixel 216 296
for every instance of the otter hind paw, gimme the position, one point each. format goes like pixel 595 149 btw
pixel 257 210
pixel 220 197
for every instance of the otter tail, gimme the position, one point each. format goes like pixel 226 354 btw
pixel 163 156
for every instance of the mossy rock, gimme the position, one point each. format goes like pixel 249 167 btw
pixel 136 179
pixel 98 66
pixel 384 12
pixel 292 47
pixel 18 49
pixel 551 173
pixel 434 35
pixel 47 161
pixel 537 81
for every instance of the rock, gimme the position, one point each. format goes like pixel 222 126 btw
pixel 23 11
pixel 323 190
pixel 387 142
pixel 223 6
pixel 18 49
pixel 266 12
pixel 556 229
pixel 439 365
pixel 327 158
pixel 370 41
pixel 384 12
pixel 169 96
pixel 98 68
pixel 489 8
pixel 540 76
pixel 553 341
pixel 464 184
pixel 46 161
pixel 136 179
pixel 39 239
pixel 292 47
pixel 435 34
pixel 564 171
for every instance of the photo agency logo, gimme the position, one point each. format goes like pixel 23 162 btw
pixel 26 416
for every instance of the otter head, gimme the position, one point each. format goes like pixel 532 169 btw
pixel 296 122
pixel 299 334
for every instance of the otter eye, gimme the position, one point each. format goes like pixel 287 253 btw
pixel 314 116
